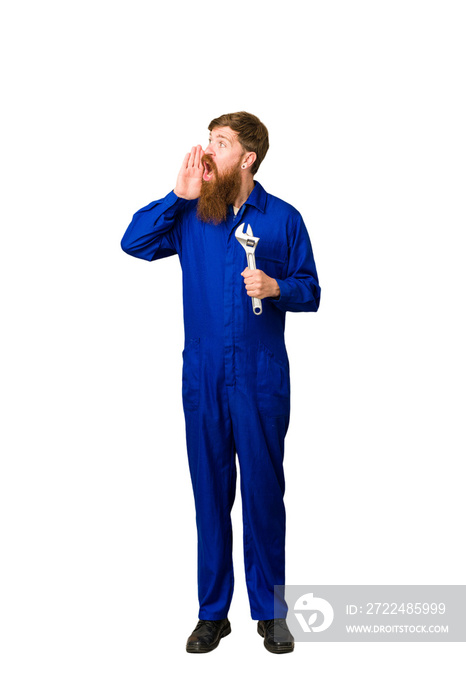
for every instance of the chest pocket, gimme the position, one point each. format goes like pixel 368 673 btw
pixel 272 258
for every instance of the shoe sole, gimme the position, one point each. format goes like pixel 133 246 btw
pixel 197 649
pixel 274 649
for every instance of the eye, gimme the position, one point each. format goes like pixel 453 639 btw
pixel 222 145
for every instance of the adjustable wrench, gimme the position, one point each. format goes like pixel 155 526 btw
pixel 249 243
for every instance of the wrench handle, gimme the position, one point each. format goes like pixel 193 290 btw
pixel 251 261
pixel 256 306
pixel 256 303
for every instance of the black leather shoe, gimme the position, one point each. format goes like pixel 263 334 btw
pixel 207 635
pixel 277 637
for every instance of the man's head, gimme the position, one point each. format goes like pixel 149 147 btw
pixel 249 133
pixel 238 143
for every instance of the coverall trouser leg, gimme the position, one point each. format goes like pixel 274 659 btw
pixel 259 441
pixel 211 456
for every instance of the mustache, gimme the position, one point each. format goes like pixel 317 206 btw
pixel 208 160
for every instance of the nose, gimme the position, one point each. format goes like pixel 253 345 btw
pixel 209 150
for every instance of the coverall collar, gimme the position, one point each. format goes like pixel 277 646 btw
pixel 258 197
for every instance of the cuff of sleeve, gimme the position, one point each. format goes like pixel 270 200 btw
pixel 173 198
pixel 284 292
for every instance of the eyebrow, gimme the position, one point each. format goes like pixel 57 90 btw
pixel 221 136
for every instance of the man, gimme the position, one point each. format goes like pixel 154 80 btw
pixel 236 393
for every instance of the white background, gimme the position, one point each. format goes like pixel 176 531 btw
pixel 364 102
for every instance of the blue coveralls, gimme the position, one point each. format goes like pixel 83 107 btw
pixel 236 387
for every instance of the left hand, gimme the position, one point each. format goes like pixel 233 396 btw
pixel 260 285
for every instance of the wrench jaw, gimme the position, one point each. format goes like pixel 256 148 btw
pixel 247 240
pixel 240 230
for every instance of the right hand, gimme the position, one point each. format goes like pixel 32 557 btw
pixel 189 181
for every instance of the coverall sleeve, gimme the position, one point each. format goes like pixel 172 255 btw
pixel 154 231
pixel 300 291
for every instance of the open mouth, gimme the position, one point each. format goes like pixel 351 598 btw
pixel 208 171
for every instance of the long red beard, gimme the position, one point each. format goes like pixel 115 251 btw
pixel 217 194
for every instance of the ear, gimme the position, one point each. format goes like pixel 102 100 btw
pixel 248 160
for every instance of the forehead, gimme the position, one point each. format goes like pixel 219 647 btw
pixel 224 132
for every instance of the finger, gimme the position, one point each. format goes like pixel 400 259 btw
pixel 197 157
pixel 191 157
pixel 184 164
pixel 251 281
pixel 247 272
